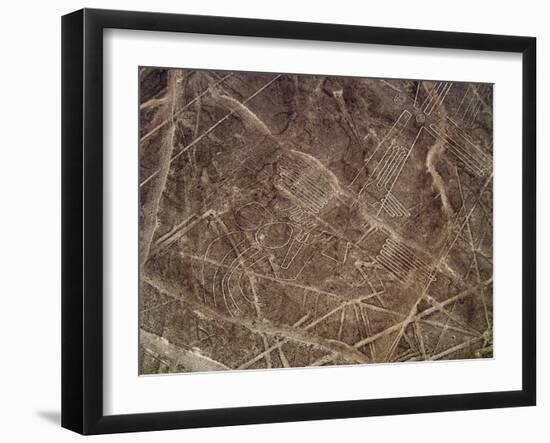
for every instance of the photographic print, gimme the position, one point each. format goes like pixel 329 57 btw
pixel 290 220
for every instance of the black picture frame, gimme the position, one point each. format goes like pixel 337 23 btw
pixel 82 219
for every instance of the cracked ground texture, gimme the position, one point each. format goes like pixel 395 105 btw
pixel 305 220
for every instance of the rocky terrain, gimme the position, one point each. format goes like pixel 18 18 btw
pixel 299 220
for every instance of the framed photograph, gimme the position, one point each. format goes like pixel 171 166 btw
pixel 269 221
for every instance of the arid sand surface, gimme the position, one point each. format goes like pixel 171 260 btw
pixel 297 220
